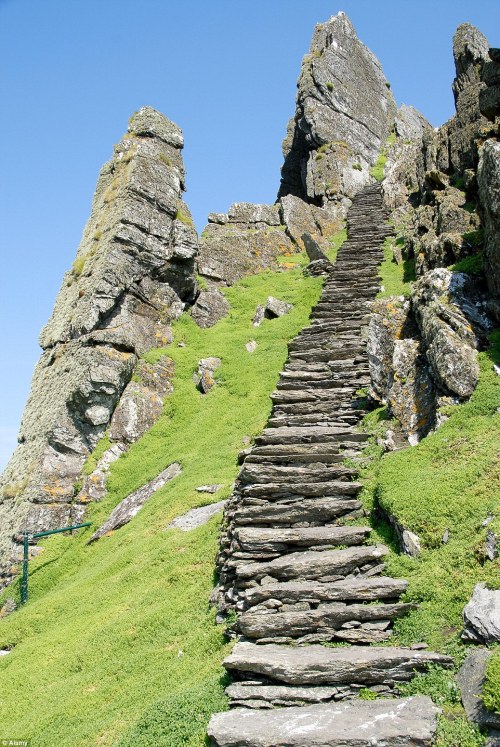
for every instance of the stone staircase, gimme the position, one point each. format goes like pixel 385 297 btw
pixel 306 586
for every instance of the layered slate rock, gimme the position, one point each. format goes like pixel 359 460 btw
pixel 343 116
pixel 133 274
pixel 292 564
pixel 392 723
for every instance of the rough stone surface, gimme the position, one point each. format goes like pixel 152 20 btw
pixel 451 327
pixel 274 307
pixel 470 679
pixel 133 273
pixel 489 191
pixel 392 723
pixel 196 517
pixel 132 504
pixel 210 307
pixel 319 665
pixel 482 616
pixel 343 117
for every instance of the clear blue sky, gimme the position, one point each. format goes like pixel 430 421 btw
pixel 72 72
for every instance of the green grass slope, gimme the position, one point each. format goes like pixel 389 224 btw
pixel 117 644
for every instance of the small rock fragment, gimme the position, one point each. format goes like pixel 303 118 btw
pixel 208 488
pixel 251 346
pixel 259 316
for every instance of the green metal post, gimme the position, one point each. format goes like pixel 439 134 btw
pixel 26 539
pixel 24 582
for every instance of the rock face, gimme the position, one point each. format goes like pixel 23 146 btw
pixel 133 273
pixel 343 117
pixel 489 191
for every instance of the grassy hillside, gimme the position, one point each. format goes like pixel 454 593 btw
pixel 117 644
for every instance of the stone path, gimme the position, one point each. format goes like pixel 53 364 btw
pixel 297 572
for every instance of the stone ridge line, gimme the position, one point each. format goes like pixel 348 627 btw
pixel 298 574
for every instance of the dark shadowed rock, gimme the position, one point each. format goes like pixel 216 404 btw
pixel 132 504
pixel 489 191
pixel 470 679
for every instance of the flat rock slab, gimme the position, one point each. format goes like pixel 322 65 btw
pixel 132 504
pixel 353 589
pixel 196 517
pixel 313 565
pixel 326 620
pixel 319 665
pixel 391 723
pixel 251 539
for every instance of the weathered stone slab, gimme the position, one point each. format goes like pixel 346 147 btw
pixel 313 565
pixel 318 665
pixel 391 723
pixel 349 590
pixel 278 539
pixel 321 510
pixel 211 306
pixel 327 619
pixel 196 517
pixel 132 504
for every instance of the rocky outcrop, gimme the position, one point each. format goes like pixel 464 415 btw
pixel 343 117
pixel 489 192
pixel 452 327
pixel 133 274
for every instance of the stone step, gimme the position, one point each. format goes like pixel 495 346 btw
pixel 319 665
pixel 306 490
pixel 302 420
pixel 391 723
pixel 348 590
pixel 339 396
pixel 296 453
pixel 328 565
pixel 257 474
pixel 322 434
pixel 280 513
pixel 359 623
pixel 283 540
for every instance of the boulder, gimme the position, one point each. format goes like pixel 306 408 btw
pixel 205 376
pixel 274 308
pixel 210 307
pixel 482 616
pixel 451 327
